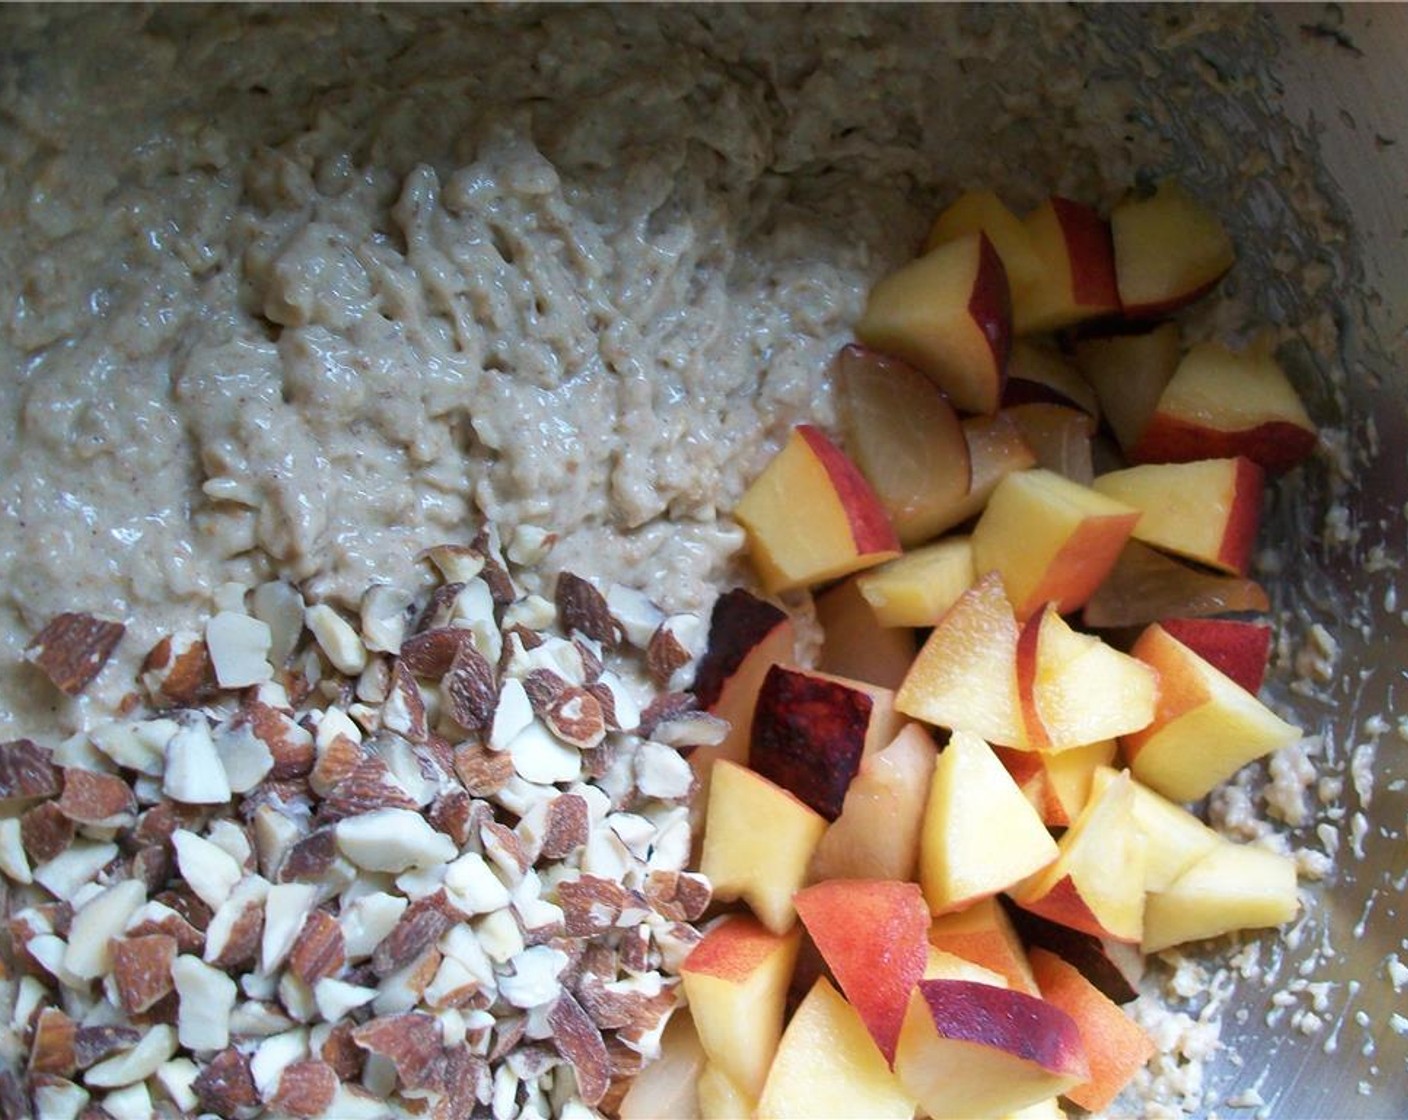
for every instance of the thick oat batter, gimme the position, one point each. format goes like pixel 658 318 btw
pixel 299 291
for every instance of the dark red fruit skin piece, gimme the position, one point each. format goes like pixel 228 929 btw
pixel 808 736
pixel 990 306
pixel 1088 239
pixel 1276 445
pixel 1082 951
pixel 740 620
pixel 871 530
pixel 1014 1022
pixel 1238 649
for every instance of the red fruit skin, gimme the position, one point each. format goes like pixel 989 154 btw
pixel 808 736
pixel 990 306
pixel 1275 445
pixel 740 620
pixel 1011 1021
pixel 1240 650
pixel 871 530
pixel 1091 251
pixel 872 934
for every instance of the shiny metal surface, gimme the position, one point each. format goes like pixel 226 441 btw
pixel 1340 77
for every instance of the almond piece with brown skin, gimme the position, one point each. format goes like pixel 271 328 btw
pixel 27 771
pixel 45 832
pixel 577 1039
pixel 73 648
pixel 102 800
pixel 54 1046
pixel 141 969
pixel 306 1089
pixel 319 950
pixel 410 1041
pixel 178 672
pixel 225 1087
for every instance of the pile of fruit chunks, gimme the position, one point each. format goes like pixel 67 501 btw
pixel 1024 541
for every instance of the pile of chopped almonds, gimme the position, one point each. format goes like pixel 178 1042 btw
pixel 430 861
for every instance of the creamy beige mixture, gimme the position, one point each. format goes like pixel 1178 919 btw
pixel 297 292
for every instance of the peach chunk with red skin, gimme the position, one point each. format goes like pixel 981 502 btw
pixel 1169 250
pixel 811 516
pixel 747 636
pixel 1116 1047
pixel 1051 540
pixel 872 935
pixel 811 730
pixel 947 313
pixel 906 438
pixel 1222 403
pixel 1206 726
pixel 970 1049
pixel 736 982
pixel 1076 281
pixel 1237 648
pixel 1207 510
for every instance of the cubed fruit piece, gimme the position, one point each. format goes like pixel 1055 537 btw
pixel 810 731
pixel 1076 281
pixel 1051 540
pixel 1059 436
pixel 905 437
pixel 871 934
pixel 811 516
pixel 1114 967
pixel 1207 510
pixel 949 315
pixel 984 212
pixel 758 841
pixel 973 1050
pixel 995 449
pixel 877 834
pixel 1174 838
pixel 827 1066
pixel 1048 1109
pixel 1206 726
pixel 1057 783
pixel 1039 373
pixel 965 677
pixel 1169 250
pixel 1239 649
pixel 1145 586
pixel 1221 403
pixel 940 964
pixel 918 588
pixel 735 980
pixel 1096 883
pixel 984 934
pixel 1116 1046
pixel 721 1097
pixel 669 1084
pixel 962 857
pixel 1129 373
pixel 747 636
pixel 854 642
pixel 1075 689
pixel 1233 886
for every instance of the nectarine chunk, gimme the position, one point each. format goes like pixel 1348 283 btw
pixel 965 677
pixel 1050 539
pixel 811 516
pixel 1116 1046
pixel 949 315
